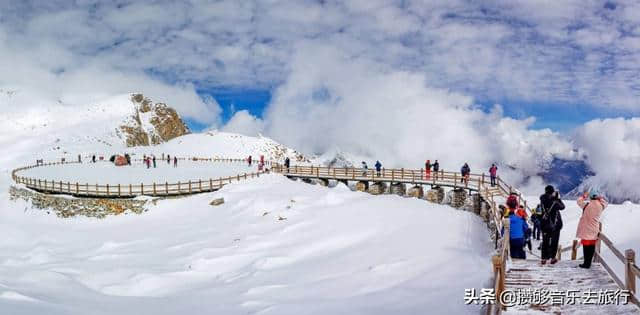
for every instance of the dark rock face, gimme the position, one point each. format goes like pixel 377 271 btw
pixel 566 175
pixel 166 123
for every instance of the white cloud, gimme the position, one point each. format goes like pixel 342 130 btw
pixel 365 108
pixel 244 123
pixel 612 147
pixel 550 51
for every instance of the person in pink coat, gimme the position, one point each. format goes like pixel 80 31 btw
pixel 592 205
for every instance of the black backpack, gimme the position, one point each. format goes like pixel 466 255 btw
pixel 550 220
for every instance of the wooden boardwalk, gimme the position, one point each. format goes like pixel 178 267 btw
pixel 569 289
pixel 130 190
pixel 509 275
pixel 520 276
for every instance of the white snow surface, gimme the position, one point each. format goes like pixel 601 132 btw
pixel 337 251
pixel 107 173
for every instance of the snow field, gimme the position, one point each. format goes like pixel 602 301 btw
pixel 275 246
pixel 107 173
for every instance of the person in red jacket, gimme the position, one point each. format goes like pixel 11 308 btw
pixel 493 172
pixel 427 169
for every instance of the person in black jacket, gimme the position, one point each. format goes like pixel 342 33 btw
pixel 550 223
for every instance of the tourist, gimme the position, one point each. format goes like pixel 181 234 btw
pixel 517 231
pixel 93 158
pixel 589 225
pixel 465 171
pixel 493 172
pixel 287 163
pixel 427 169
pixel 365 168
pixel 168 159
pixel 175 161
pixel 154 161
pixel 551 223
pixel 378 167
pixel 436 168
pixel 249 160
pixel 535 219
pixel 147 160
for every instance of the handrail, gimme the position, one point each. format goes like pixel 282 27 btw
pixel 628 259
pixel 130 189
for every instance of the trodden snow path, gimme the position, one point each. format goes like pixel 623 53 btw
pixel 564 276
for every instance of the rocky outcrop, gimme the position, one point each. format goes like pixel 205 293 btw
pixel 151 123
pixel 65 207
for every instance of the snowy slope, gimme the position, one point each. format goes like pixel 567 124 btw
pixel 337 251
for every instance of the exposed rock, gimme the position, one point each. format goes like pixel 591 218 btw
pixel 416 191
pixel 399 189
pixel 164 121
pixel 378 188
pixel 217 202
pixel 68 207
pixel 435 194
pixel 362 186
pixel 458 198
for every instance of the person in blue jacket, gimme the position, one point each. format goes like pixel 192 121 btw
pixel 517 230
pixel 378 167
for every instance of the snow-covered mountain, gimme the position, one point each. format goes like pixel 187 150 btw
pixel 131 123
pixel 224 144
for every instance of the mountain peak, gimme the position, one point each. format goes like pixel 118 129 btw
pixel 151 123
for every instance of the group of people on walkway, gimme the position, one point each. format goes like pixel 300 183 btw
pixel 261 162
pixel 151 160
pixel 547 221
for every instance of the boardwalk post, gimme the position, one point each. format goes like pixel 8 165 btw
pixel 77 188
pixel 130 190
pixel 392 174
pixel 141 189
pixel 154 188
pixel 482 179
pixel 455 180
pixel 210 184
pixel 402 173
pixel 178 188
pixel 574 250
pixel 630 281
pixel 200 184
pixel 189 186
pixel 598 242
pixel 107 189
pixel 119 190
pixel 166 188
pixel 68 187
pixel 498 272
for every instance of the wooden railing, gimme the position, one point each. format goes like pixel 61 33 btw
pixel 131 189
pixel 400 175
pixel 631 271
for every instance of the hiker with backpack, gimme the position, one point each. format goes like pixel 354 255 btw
pixel 550 223
pixel 589 225
pixel 378 167
pixel 493 173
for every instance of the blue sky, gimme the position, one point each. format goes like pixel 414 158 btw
pixel 565 62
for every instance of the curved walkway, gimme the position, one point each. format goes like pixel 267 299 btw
pixel 194 186
pixel 509 276
pixel 513 276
